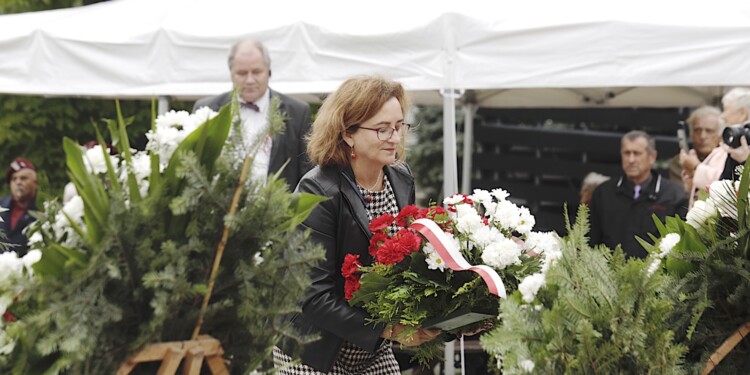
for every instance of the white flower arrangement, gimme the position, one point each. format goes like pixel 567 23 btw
pixel 495 230
pixel 13 271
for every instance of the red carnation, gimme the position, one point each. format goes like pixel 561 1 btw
pixel 350 270
pixel 409 240
pixel 9 317
pixel 407 216
pixel 376 241
pixel 381 222
pixel 390 252
pixel 351 286
pixel 351 265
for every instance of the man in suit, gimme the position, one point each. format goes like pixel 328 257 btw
pixel 250 68
pixel 21 176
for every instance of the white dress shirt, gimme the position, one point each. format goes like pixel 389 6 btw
pixel 255 124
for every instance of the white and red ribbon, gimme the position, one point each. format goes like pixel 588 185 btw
pixel 453 258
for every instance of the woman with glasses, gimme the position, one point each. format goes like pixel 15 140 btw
pixel 357 143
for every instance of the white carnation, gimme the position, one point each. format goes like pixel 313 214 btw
pixel 526 221
pixel 485 235
pixel 500 194
pixel 173 119
pixel 95 161
pixel 531 285
pixel 502 254
pixel 75 209
pixel 467 219
pixel 453 199
pixel 507 215
pixel 481 196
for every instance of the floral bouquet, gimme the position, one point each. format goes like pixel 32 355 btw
pixel 710 254
pixel 449 268
pixel 158 246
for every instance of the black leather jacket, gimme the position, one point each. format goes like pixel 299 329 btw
pixel 340 225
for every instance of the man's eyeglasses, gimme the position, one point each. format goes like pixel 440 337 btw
pixel 386 133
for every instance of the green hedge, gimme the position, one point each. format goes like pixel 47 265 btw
pixel 33 127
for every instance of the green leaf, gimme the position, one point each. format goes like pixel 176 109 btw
pixel 56 259
pixel 135 195
pixel 91 190
pixel 372 285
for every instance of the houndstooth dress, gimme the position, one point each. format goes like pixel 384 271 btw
pixel 353 360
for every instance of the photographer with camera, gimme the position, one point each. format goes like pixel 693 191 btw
pixel 704 162
pixel 735 116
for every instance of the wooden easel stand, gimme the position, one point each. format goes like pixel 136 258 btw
pixel 190 354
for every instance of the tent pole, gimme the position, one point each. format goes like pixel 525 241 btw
pixel 163 106
pixel 450 173
pixel 470 108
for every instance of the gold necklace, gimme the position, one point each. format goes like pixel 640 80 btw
pixel 368 197
pixel 377 181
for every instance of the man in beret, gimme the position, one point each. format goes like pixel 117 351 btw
pixel 21 176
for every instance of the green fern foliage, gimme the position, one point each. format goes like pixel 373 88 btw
pixel 140 269
pixel 598 314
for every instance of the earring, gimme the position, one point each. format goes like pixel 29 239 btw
pixel 354 155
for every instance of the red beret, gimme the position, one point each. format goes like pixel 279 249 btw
pixel 16 165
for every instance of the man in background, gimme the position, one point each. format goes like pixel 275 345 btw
pixel 704 163
pixel 21 176
pixel 250 68
pixel 622 208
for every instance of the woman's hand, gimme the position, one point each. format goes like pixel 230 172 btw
pixel 422 335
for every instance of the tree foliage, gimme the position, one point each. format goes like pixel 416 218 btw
pixel 599 314
pixel 33 127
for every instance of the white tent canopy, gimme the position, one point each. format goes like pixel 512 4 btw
pixel 579 53
pixel 520 54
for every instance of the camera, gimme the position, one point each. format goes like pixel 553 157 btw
pixel 682 135
pixel 732 134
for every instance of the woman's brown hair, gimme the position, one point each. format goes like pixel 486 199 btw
pixel 356 100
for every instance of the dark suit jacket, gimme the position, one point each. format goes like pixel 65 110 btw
pixel 341 226
pixel 617 218
pixel 287 146
pixel 16 236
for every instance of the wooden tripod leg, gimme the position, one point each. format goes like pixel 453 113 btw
pixel 217 365
pixel 726 347
pixel 171 362
pixel 193 361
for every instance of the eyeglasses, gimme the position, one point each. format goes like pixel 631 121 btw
pixel 386 133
